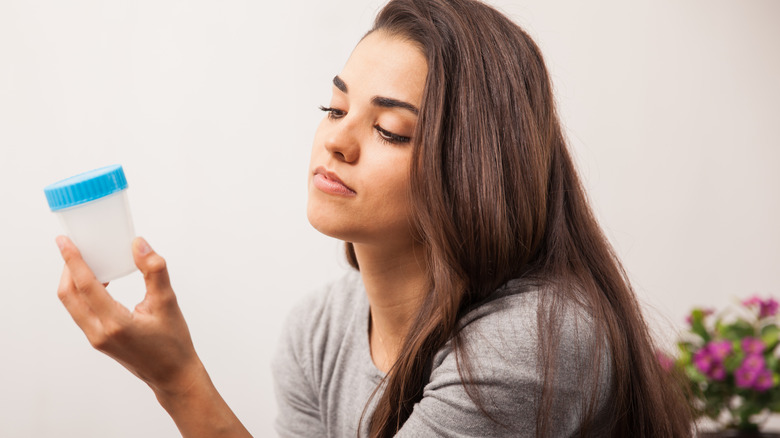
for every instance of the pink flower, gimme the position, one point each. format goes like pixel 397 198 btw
pixel 667 363
pixel 763 381
pixel 720 349
pixel 754 362
pixel 703 360
pixel 709 360
pixel 768 307
pixel 718 372
pixel 752 345
pixel 745 377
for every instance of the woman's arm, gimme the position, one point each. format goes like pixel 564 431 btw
pixel 152 342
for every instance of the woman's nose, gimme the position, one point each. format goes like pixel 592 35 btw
pixel 342 142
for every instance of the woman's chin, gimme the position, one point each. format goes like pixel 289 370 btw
pixel 327 223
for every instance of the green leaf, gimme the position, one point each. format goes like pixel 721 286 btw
pixel 687 347
pixel 738 330
pixel 697 324
pixel 770 335
pixel 684 358
pixel 772 363
pixel 694 374
pixel 719 327
pixel 733 361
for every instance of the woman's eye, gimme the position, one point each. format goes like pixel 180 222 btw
pixel 333 113
pixel 390 137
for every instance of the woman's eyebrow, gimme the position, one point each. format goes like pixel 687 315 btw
pixel 339 83
pixel 384 102
pixel 387 102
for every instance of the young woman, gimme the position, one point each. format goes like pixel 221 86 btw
pixel 485 300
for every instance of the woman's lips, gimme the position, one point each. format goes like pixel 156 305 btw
pixel 330 183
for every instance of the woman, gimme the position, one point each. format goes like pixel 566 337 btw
pixel 485 299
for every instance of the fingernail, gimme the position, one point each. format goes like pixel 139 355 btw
pixel 60 242
pixel 143 247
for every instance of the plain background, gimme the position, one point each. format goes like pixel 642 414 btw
pixel 671 109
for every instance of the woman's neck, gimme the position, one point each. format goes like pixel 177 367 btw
pixel 395 282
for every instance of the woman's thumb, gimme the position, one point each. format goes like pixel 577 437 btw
pixel 152 265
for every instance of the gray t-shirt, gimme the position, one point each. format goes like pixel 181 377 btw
pixel 324 374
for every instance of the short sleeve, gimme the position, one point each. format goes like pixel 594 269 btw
pixel 501 343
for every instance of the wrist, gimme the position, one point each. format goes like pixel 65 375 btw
pixel 197 408
pixel 190 381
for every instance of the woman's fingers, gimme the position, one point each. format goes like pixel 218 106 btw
pixel 87 321
pixel 91 290
pixel 153 342
pixel 154 268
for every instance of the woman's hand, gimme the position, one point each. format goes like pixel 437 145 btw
pixel 152 341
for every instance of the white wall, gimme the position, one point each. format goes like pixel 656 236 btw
pixel 671 108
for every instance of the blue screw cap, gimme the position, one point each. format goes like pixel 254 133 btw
pixel 85 187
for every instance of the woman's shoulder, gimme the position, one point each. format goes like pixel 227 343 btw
pixel 509 334
pixel 523 320
pixel 515 312
pixel 500 348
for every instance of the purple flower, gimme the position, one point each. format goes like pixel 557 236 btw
pixel 752 345
pixel 709 360
pixel 667 363
pixel 718 372
pixel 703 360
pixel 763 380
pixel 745 377
pixel 768 308
pixel 754 362
pixel 747 373
pixel 720 349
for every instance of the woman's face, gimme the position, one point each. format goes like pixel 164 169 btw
pixel 359 170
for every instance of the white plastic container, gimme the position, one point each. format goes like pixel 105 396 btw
pixel 95 214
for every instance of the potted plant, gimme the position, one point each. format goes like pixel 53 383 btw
pixel 729 362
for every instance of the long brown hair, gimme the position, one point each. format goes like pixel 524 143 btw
pixel 497 197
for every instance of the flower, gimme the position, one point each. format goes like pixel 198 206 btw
pixel 754 362
pixel 751 345
pixel 667 363
pixel 763 381
pixel 730 362
pixel 703 360
pixel 720 349
pixel 718 372
pixel 709 360
pixel 745 376
pixel 766 308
